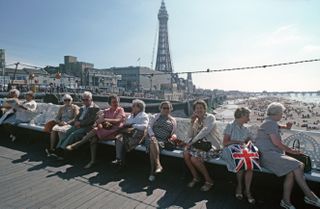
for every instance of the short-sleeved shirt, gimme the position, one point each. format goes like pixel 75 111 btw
pixel 237 132
pixel 263 140
pixel 114 114
pixel 162 128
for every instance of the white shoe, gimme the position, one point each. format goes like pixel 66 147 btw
pixel 152 178
pixel 312 202
pixel 286 205
pixel 158 170
pixel 13 138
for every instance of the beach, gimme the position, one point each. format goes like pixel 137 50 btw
pixel 303 115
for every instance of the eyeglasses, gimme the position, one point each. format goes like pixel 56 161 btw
pixel 67 100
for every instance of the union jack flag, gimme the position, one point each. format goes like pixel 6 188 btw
pixel 246 156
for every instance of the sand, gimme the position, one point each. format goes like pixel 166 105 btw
pixel 303 115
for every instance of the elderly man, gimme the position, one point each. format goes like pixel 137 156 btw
pixel 82 124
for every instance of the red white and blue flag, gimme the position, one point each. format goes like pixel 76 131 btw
pixel 246 156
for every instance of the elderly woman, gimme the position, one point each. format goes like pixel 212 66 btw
pixel 203 128
pixel 64 119
pixel 273 157
pixel 237 133
pixel 8 107
pixel 161 128
pixel 24 112
pixel 106 127
pixel 133 131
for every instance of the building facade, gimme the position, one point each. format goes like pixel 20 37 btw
pixel 76 68
pixel 139 79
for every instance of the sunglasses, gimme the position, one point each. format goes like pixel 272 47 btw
pixel 67 100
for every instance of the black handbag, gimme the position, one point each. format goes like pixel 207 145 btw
pixel 169 145
pixel 202 144
pixel 305 159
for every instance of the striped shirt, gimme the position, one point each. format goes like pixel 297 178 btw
pixel 162 128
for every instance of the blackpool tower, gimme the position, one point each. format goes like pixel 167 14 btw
pixel 163 61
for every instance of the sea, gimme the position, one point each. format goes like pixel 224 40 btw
pixel 308 98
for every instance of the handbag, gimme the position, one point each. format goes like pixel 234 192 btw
pixel 106 125
pixel 202 144
pixel 241 157
pixel 305 159
pixel 169 145
pixel 133 139
pixel 49 125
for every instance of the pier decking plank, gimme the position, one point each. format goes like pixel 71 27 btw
pixel 28 179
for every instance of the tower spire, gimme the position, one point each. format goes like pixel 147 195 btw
pixel 163 60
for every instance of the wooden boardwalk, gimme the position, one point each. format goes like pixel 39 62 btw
pixel 28 179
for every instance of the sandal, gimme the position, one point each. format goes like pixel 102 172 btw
pixel 89 165
pixel 206 187
pixel 158 169
pixel 239 194
pixel 286 205
pixel 193 182
pixel 315 202
pixel 250 198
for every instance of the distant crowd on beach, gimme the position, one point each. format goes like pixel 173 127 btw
pixel 303 115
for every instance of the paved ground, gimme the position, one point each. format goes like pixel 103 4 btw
pixel 28 179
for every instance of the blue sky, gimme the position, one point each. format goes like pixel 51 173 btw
pixel 203 34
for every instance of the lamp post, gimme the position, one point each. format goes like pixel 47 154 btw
pixel 31 77
pixel 58 76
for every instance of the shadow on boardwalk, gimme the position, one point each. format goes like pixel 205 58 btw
pixel 35 181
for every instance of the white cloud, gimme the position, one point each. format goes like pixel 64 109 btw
pixel 311 49
pixel 284 35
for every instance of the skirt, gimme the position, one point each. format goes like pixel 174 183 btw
pixel 279 163
pixel 105 134
pixel 205 156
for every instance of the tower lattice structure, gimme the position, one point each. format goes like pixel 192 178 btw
pixel 163 61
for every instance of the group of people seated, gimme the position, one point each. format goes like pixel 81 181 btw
pixel 13 111
pixel 75 127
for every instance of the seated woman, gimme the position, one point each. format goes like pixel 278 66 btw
pixel 273 157
pixel 133 131
pixel 161 128
pixel 9 105
pixel 202 127
pixel 23 113
pixel 64 119
pixel 106 127
pixel 236 133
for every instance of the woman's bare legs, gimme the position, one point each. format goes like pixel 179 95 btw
pixel 187 160
pixel 53 139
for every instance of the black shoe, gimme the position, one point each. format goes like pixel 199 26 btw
pixel 59 152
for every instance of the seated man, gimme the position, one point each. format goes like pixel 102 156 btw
pixel 82 123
